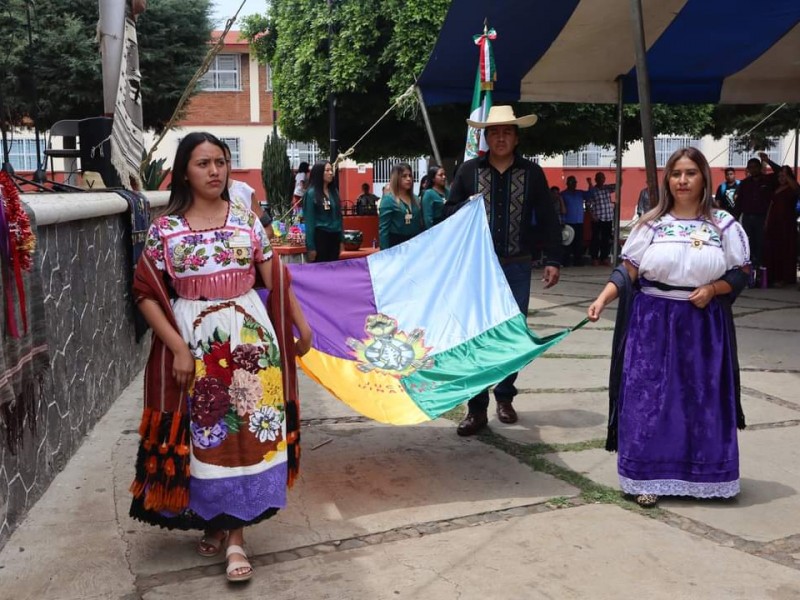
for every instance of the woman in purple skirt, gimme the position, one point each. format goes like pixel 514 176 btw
pixel 675 395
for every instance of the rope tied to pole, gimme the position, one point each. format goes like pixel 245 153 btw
pixel 342 156
pixel 351 150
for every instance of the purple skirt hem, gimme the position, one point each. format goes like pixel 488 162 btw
pixel 676 487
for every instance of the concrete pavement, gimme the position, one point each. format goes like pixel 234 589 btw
pixel 530 510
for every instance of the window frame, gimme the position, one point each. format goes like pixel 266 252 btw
pixel 235 144
pixel 590 156
pixel 669 144
pixel 27 156
pixel 211 82
pixel 268 78
pixel 738 158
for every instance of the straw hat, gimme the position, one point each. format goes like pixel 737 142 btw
pixel 503 115
pixel 567 235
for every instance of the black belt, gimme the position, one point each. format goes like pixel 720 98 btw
pixel 514 260
pixel 665 287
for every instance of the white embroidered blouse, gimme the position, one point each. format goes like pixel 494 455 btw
pixel 209 264
pixel 687 252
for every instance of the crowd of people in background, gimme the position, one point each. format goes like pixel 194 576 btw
pixel 766 202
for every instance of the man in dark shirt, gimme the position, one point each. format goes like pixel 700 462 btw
pixel 514 189
pixel 726 191
pixel 367 202
pixel 751 201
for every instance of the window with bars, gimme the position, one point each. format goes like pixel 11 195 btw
pixel 236 155
pixel 665 146
pixel 223 74
pixel 302 152
pixel 591 155
pixel 22 154
pixel 738 155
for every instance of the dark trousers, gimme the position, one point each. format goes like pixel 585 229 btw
pixel 327 243
pixel 601 240
pixel 519 280
pixel 753 225
pixel 574 251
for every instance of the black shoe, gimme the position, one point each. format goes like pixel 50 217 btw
pixel 472 424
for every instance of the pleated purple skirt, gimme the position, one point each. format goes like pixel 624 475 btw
pixel 677 412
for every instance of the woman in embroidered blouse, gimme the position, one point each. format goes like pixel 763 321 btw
pixel 434 197
pixel 399 212
pixel 323 216
pixel 225 353
pixel 678 407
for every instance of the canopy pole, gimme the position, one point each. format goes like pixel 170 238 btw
pixel 618 190
pixel 645 108
pixel 427 120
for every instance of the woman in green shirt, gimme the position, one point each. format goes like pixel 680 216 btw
pixel 399 213
pixel 322 213
pixel 435 196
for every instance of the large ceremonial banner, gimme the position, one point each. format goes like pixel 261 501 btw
pixel 408 333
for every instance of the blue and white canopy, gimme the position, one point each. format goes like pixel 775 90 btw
pixel 715 51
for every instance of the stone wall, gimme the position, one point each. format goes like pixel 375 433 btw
pixel 93 353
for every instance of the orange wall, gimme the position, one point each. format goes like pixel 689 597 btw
pixel 350 182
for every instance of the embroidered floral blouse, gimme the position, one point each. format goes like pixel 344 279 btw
pixel 687 252
pixel 209 264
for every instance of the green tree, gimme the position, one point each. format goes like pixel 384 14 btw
pixel 59 76
pixel 276 173
pixel 733 119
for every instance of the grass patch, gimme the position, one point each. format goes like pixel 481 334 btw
pixel 591 491
pixel 455 414
pixel 543 448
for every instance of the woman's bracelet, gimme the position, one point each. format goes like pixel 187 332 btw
pixel 713 285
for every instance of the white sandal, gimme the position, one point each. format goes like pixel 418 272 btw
pixel 237 564
pixel 213 543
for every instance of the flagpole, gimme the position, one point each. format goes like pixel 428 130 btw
pixel 427 120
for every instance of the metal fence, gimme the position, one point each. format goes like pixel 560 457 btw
pixel 382 168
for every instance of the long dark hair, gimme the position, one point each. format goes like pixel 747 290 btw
pixel 302 167
pixel 180 195
pixel 432 171
pixel 666 201
pixel 317 181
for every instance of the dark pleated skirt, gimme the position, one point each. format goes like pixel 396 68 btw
pixel 677 414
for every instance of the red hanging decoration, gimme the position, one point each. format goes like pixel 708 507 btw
pixel 21 247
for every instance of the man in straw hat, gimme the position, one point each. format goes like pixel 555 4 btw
pixel 516 194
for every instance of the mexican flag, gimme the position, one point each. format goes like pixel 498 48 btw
pixel 482 96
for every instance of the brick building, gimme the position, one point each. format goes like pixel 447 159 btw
pixel 235 104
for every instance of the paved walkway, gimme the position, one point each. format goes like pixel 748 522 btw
pixel 525 511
